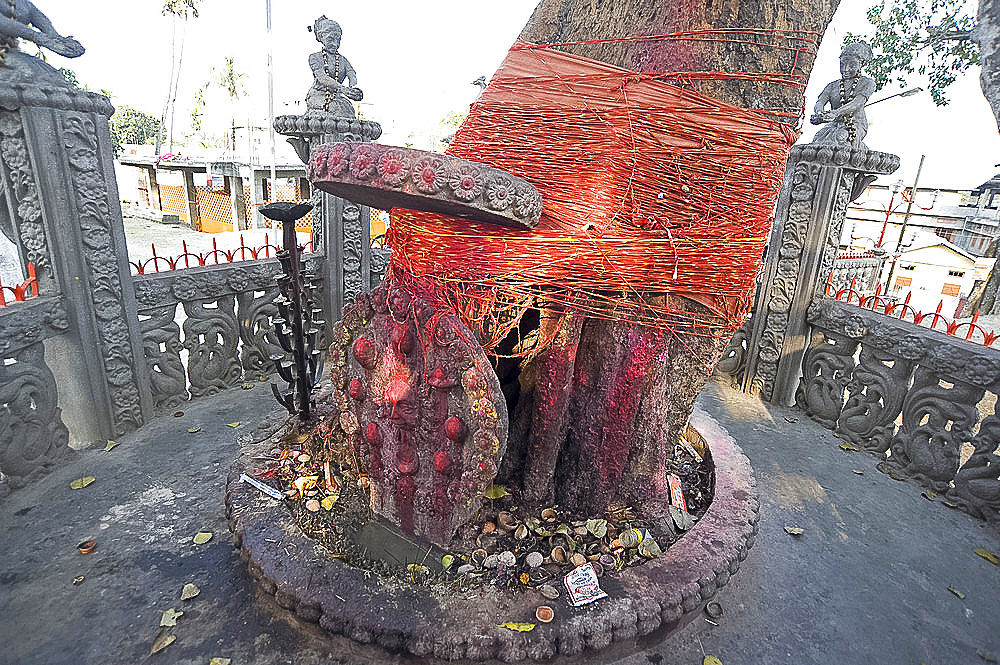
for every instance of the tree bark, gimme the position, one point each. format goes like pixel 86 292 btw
pixel 601 409
pixel 987 34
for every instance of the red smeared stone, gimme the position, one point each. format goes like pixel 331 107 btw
pixel 441 460
pixel 356 389
pixel 364 352
pixel 439 380
pixel 454 429
pixel 387 177
pixel 435 420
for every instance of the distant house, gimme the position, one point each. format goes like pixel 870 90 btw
pixel 933 270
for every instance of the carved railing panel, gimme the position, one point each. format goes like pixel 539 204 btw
pixel 256 332
pixel 874 399
pixel 911 395
pixel 161 344
pixel 827 367
pixel 937 420
pixel 33 437
pixel 211 334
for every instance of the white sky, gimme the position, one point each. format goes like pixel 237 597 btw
pixel 416 60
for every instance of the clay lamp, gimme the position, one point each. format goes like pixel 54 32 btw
pixel 87 546
pixel 544 613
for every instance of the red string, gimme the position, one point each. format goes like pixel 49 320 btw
pixel 650 191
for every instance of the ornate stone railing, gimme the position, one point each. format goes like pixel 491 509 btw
pixel 857 271
pixel 221 334
pixel 219 337
pixel 921 399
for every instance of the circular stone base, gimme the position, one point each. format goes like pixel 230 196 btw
pixel 425 622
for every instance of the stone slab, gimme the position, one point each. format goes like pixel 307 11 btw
pixel 387 177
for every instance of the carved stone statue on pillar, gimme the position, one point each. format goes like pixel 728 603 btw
pixel 845 121
pixel 821 179
pixel 21 19
pixel 340 228
pixel 328 94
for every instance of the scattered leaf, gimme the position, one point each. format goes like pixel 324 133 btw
pixel 189 591
pixel 794 530
pixel 193 430
pixel 496 492
pixel 170 617
pixel 329 500
pixel 956 592
pixel 303 483
pixel 111 444
pixel 858 471
pixel 80 483
pixel 681 518
pixel 220 661
pixel 233 425
pixel 928 494
pixel 446 561
pixel 519 626
pixel 986 655
pixel 791 420
pixel 77 580
pixel 597 528
pixel 417 569
pixel 162 641
pixel 248 385
pixel 849 447
pixel 989 556
pixel 711 660
pixel 202 537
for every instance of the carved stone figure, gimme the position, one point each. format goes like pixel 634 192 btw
pixel 846 123
pixel 328 94
pixel 21 19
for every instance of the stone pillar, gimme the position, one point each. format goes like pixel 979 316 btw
pixel 63 212
pixel 257 199
pixel 820 181
pixel 341 229
pixel 235 184
pixel 191 200
pixel 154 189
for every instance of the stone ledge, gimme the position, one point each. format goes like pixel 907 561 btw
pixel 663 593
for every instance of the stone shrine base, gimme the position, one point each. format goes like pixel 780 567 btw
pixel 659 595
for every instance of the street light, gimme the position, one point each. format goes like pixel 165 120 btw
pixel 896 188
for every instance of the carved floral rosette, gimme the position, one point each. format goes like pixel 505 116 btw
pixel 422 408
pixel 386 177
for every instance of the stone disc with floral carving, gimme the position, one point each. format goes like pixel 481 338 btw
pixel 422 407
pixel 387 177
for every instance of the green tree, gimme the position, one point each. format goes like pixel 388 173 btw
pixel 936 40
pixel 130 126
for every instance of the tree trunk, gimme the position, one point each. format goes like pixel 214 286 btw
pixel 601 409
pixel 987 33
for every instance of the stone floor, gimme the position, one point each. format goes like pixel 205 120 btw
pixel 866 581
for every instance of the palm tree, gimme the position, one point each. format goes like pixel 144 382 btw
pixel 231 80
pixel 177 9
